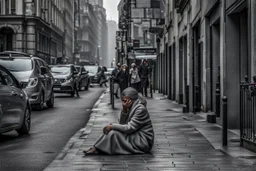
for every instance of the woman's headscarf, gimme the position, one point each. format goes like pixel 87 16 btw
pixel 134 95
pixel 131 93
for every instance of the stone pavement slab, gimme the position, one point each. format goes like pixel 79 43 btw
pixel 180 143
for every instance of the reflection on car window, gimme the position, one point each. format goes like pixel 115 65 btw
pixel 17 64
pixel 8 79
pixel 62 70
pixel 92 69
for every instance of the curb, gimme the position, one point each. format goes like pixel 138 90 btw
pixel 78 139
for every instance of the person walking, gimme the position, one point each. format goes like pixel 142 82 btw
pixel 103 79
pixel 116 81
pixel 144 74
pixel 135 77
pixel 123 77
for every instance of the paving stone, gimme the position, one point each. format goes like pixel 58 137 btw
pixel 182 142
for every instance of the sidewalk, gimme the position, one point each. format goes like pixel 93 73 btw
pixel 182 142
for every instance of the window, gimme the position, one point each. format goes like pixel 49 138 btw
pixel 7 7
pixel 8 79
pixel 13 7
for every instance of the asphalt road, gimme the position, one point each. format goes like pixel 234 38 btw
pixel 50 131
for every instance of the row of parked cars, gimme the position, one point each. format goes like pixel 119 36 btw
pixel 27 82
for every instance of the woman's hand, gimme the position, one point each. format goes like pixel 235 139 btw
pixel 127 103
pixel 107 128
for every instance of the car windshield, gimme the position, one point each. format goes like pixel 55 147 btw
pixel 17 64
pixel 91 69
pixel 62 70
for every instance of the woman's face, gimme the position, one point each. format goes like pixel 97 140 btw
pixel 126 100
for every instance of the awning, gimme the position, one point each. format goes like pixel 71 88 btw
pixel 146 57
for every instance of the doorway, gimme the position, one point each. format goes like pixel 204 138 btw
pixel 6 39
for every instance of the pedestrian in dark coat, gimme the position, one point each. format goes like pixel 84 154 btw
pixel 123 77
pixel 116 81
pixel 144 74
pixel 103 79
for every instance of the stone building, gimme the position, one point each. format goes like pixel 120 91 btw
pixel 112 28
pixel 38 27
pixel 208 47
pixel 92 34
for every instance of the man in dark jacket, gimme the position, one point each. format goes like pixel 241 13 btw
pixel 116 81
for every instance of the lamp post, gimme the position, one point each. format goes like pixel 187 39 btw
pixel 98 55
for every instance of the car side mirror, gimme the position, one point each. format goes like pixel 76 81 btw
pixel 43 70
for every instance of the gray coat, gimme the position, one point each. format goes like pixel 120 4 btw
pixel 134 133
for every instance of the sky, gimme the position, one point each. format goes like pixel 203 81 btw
pixel 111 8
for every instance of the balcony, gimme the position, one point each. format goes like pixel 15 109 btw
pixel 180 5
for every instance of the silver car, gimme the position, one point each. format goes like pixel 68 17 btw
pixel 34 75
pixel 65 78
pixel 15 112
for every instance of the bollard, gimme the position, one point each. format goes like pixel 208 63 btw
pixel 217 102
pixel 110 88
pixel 225 122
pixel 113 98
pixel 187 98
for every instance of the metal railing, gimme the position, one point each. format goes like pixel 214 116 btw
pixel 248 112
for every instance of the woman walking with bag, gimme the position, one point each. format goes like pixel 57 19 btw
pixel 134 77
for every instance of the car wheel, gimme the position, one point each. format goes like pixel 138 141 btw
pixel 25 128
pixel 50 103
pixel 40 106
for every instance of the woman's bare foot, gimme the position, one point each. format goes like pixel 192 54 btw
pixel 92 150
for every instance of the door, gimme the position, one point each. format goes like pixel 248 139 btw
pixel 11 100
pixel 43 79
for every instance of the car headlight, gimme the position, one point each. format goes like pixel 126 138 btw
pixel 32 82
pixel 95 76
pixel 68 80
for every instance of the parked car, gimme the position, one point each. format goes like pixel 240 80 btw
pixel 15 111
pixel 65 78
pixel 83 78
pixel 93 73
pixel 33 74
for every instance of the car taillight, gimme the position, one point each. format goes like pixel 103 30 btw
pixel 32 82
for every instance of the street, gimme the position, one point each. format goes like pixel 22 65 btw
pixel 50 131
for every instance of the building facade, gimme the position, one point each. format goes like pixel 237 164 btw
pixel 44 28
pixel 92 34
pixel 206 52
pixel 112 28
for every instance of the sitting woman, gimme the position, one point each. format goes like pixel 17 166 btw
pixel 133 135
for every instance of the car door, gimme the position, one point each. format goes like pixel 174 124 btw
pixel 42 78
pixel 49 80
pixel 12 101
pixel 83 77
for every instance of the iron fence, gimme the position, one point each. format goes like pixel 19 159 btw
pixel 248 112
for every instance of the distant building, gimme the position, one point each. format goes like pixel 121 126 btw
pixel 112 28
pixel 69 30
pixel 92 34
